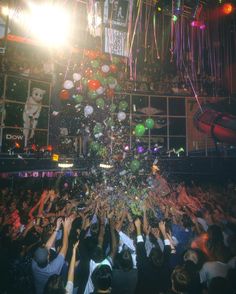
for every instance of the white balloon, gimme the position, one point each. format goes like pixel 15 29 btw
pixel 121 116
pixel 105 68
pixel 112 86
pixel 68 84
pixel 88 110
pixel 100 90
pixel 77 76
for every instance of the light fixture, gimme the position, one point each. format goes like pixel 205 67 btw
pixel 106 165
pixel 227 8
pixel 65 165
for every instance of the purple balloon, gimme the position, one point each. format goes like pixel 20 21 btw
pixel 140 149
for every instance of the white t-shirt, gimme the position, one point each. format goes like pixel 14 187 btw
pixel 213 269
pixel 92 265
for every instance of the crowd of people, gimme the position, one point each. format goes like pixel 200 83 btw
pixel 182 242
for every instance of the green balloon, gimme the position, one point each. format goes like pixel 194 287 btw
pixel 84 82
pixel 135 165
pixel 102 80
pixel 123 105
pixel 111 80
pixel 94 146
pixel 97 128
pixel 95 63
pixel 92 94
pixel 118 88
pixel 110 122
pixel 149 123
pixel 78 98
pixel 100 103
pixel 139 130
pixel 96 76
pixel 102 152
pixel 112 107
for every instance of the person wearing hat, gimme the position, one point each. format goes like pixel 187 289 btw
pixel 41 267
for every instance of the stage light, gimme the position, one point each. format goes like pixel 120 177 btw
pixel 5 10
pixel 227 8
pixel 49 24
pixel 65 165
pixel 105 165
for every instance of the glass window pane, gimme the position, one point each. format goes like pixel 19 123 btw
pixel 160 126
pixel 158 144
pixel 177 106
pixel 14 114
pixel 140 104
pixel 17 89
pixel 158 105
pixel 43 119
pixel 177 126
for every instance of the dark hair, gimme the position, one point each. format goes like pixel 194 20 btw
pixel 102 277
pixel 180 279
pixel 97 254
pixel 54 285
pixel 187 222
pixel 125 260
pixel 156 257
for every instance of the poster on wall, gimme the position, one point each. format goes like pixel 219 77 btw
pixel 115 42
pixel 116 12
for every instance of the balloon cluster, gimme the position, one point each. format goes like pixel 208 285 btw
pixel 141 128
pixel 93 90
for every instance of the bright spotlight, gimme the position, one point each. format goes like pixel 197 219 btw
pixel 5 10
pixel 227 8
pixel 49 24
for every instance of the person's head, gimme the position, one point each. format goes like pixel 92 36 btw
pixel 55 285
pixel 215 243
pixel 180 280
pixel 191 255
pixel 156 257
pixel 186 221
pixel 97 254
pixel 101 278
pixel 94 229
pixel 41 257
pixel 125 260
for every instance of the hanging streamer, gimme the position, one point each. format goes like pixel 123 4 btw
pixel 155 36
pixel 147 18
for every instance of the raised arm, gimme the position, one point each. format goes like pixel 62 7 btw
pixel 67 226
pixel 72 263
pixel 52 238
pixel 113 240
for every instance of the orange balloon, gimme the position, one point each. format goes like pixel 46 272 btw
pixel 64 95
pixel 113 68
pixel 94 84
pixel 110 93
